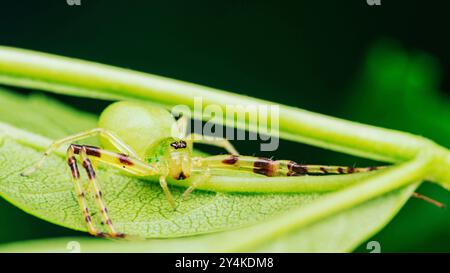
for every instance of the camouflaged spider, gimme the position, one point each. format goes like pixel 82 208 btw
pixel 143 136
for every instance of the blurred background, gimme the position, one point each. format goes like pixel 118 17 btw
pixel 386 65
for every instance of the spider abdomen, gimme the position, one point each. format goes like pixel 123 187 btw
pixel 139 125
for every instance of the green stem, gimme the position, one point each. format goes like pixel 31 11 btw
pixel 71 76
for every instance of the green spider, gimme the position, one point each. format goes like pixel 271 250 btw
pixel 143 136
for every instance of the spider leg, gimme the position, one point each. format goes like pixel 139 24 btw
pixel 169 196
pixel 119 144
pixel 269 167
pixel 122 161
pixel 131 165
pixel 72 162
pixel 128 164
pixel 198 181
pixel 118 160
pixel 181 127
pixel 95 187
pixel 262 166
pixel 214 141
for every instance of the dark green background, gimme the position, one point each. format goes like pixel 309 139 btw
pixel 385 65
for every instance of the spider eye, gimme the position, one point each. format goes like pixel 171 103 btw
pixel 179 144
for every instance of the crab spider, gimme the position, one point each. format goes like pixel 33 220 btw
pixel 139 139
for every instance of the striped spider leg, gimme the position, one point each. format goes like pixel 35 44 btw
pixel 118 144
pixel 118 160
pixel 257 165
pixel 269 167
pixel 263 166
pixel 126 160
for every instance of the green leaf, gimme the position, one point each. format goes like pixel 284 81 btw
pixel 43 115
pixel 139 207
pixel 339 233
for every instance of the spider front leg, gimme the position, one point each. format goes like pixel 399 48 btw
pixel 98 195
pixel 119 144
pixel 181 129
pixel 169 196
pixel 124 162
pixel 214 141
pixel 81 196
pixel 202 179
